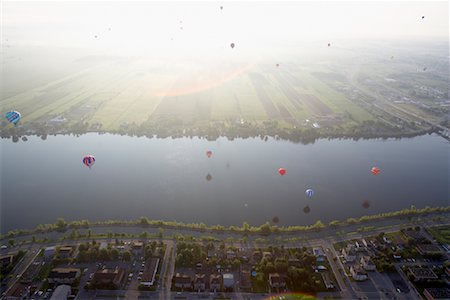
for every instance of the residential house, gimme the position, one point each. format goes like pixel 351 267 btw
pixel 182 281
pixel 358 274
pixel 63 275
pixel 276 281
pixel 319 254
pixel 200 282
pixel 215 282
pixel 228 281
pixel 367 263
pixel 65 252
pixel 349 253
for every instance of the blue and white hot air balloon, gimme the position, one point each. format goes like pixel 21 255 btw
pixel 13 116
pixel 309 193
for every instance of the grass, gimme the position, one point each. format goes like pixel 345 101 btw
pixel 441 234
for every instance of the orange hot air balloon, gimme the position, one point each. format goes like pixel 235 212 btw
pixel 282 171
pixel 209 153
pixel 375 171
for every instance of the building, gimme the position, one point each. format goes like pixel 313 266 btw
pixel 246 281
pixel 349 253
pixel 108 278
pixel 436 293
pixel 231 254
pixel 182 281
pixel 367 263
pixel 319 254
pixel 276 281
pixel 359 247
pixel 137 247
pixel 267 255
pixel 149 275
pixel 228 281
pixel 49 252
pixel 294 262
pixel 200 282
pixel 63 275
pixel 358 274
pixel 215 282
pixel 422 274
pixel 62 292
pixel 5 260
pixel 327 280
pixel 65 252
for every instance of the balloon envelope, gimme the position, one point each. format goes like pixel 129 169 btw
pixel 275 220
pixel 282 171
pixel 309 193
pixel 232 45
pixel 89 160
pixel 209 153
pixel 13 116
pixel 375 171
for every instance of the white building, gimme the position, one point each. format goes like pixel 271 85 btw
pixel 62 292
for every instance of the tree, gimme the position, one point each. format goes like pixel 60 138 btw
pixel 127 256
pixel 60 224
pixel 33 239
pixel 11 243
pixel 114 254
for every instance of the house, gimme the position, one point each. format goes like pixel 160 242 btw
pixel 49 252
pixel 319 254
pixel 5 260
pixel 257 256
pixel 436 293
pixel 267 255
pixel 63 275
pixel 359 247
pixel 231 254
pixel 349 253
pixel 358 274
pixel 246 281
pixel 65 252
pixel 137 247
pixel 276 281
pixel 108 278
pixel 367 263
pixel 199 282
pixel 62 292
pixel 294 262
pixel 422 274
pixel 228 281
pixel 215 282
pixel 182 281
pixel 364 242
pixel 327 280
pixel 149 273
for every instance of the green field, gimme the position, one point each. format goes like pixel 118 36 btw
pixel 113 94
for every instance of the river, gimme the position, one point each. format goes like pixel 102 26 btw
pixel 173 179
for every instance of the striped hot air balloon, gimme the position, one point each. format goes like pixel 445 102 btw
pixel 89 160
pixel 13 116
pixel 375 171
pixel 309 193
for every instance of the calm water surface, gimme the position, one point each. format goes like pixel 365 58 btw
pixel 172 179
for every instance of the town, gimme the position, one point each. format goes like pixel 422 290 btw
pixel 406 262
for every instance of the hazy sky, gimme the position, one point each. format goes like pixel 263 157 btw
pixel 133 27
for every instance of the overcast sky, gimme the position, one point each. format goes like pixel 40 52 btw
pixel 197 26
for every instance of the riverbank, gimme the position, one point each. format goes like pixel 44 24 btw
pixel 264 230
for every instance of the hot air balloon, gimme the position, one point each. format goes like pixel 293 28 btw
pixel 89 160
pixel 221 7
pixel 95 36
pixel 309 193
pixel 392 57
pixel 425 68
pixel 306 209
pixel 232 45
pixel 423 17
pixel 209 153
pixel 275 220
pixel 209 177
pixel 278 65
pixel 282 171
pixel 366 204
pixel 329 44
pixel 13 116
pixel 375 171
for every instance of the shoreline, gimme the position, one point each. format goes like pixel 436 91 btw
pixel 265 229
